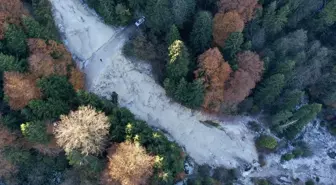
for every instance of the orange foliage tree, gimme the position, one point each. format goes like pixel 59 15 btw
pixel 224 24
pixel 251 63
pixel 48 58
pixel 6 137
pixel 129 164
pixel 20 89
pixel 245 8
pixel 10 12
pixel 244 79
pixel 214 72
pixel 77 79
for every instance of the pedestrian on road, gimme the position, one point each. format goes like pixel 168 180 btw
pixel 101 60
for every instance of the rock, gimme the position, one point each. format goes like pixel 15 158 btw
pixel 284 179
pixel 331 154
pixel 248 167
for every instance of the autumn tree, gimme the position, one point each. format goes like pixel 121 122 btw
pixel 20 89
pixel 224 24
pixel 77 79
pixel 6 137
pixel 200 36
pixel 84 130
pixel 251 63
pixel 48 58
pixel 245 8
pixel 244 79
pixel 10 12
pixel 128 164
pixel 213 72
pixel 237 89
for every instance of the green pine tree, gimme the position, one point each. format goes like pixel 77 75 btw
pixel 290 99
pixel 35 131
pixel 177 66
pixel 201 34
pixel 269 90
pixel 233 44
pixel 173 35
pixel 10 63
pixel 15 40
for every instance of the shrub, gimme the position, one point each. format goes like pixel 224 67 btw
pixel 262 182
pixel 35 131
pixel 298 152
pixel 84 130
pixel 266 142
pixel 287 157
pixel 128 164
pixel 310 182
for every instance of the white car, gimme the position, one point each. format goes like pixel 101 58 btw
pixel 140 21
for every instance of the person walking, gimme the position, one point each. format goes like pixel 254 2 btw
pixel 101 60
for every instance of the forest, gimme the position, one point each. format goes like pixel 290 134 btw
pixel 228 57
pixel 274 57
pixel 54 132
pixel 238 56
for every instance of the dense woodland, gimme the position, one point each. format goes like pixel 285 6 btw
pixel 220 56
pixel 52 131
pixel 275 57
pixel 239 56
